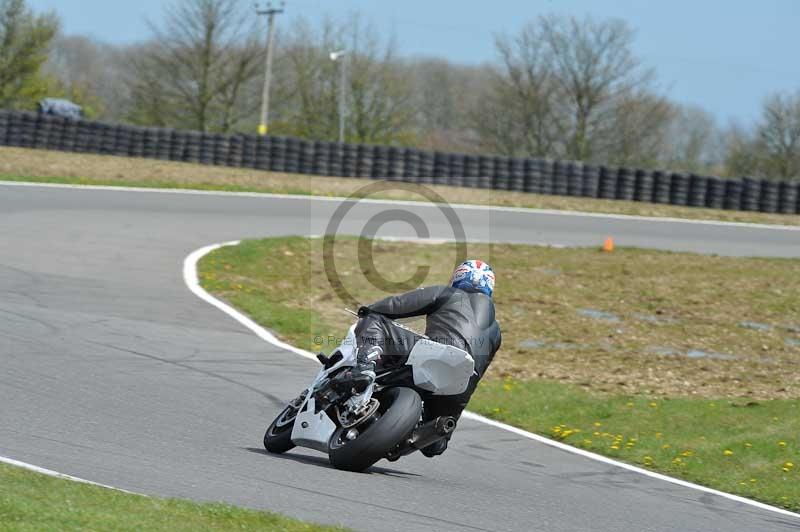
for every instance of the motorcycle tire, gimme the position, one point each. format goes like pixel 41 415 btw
pixel 400 412
pixel 278 437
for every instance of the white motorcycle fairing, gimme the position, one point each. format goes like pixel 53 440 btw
pixel 312 430
pixel 437 368
pixel 315 430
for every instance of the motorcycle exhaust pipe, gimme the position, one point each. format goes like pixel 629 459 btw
pixel 426 434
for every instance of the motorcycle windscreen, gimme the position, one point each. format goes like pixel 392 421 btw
pixel 441 369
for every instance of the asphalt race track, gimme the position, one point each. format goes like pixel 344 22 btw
pixel 113 371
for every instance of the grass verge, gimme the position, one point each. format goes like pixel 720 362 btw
pixel 19 164
pixel 32 501
pixel 746 448
pixel 675 366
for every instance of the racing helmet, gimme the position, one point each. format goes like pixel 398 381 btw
pixel 474 274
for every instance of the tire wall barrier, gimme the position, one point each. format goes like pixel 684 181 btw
pixel 322 158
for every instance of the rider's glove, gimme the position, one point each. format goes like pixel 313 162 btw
pixel 363 311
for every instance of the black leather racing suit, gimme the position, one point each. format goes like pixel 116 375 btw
pixel 463 318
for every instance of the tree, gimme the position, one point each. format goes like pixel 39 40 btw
pixel 518 113
pixel 24 41
pixel 89 73
pixel 779 136
pixel 594 67
pixel 379 106
pixel 443 97
pixel 570 88
pixel 692 140
pixel 740 152
pixel 637 132
pixel 194 71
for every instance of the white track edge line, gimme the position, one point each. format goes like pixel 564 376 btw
pixel 56 474
pixel 191 279
pixel 462 206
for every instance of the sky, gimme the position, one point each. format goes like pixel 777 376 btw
pixel 724 56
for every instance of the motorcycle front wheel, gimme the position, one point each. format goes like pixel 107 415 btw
pixel 399 413
pixel 278 437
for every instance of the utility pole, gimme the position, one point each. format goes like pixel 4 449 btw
pixel 341 54
pixel 270 13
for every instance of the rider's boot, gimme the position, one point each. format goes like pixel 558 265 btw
pixel 360 376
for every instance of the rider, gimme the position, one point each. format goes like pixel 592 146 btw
pixel 461 314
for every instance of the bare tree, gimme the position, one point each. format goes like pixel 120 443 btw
pixel 692 140
pixel 444 98
pixel 741 157
pixel 24 42
pixel 518 113
pixel 779 135
pixel 378 95
pixel 594 66
pixel 569 88
pixel 90 73
pixel 194 71
pixel 638 130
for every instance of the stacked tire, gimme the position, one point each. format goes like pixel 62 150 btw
pixel 715 193
pixel 644 186
pixel 486 171
pixel 733 195
pixel 591 181
pixel 789 197
pixel 426 167
pixel 751 194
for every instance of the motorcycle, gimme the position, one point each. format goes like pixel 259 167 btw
pixel 357 429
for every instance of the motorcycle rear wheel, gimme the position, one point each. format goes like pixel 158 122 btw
pixel 400 411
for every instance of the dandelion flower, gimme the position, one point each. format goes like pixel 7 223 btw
pixel 727 452
pixel 748 444
pixel 653 405
pixel 666 446
pixel 598 424
pixel 782 443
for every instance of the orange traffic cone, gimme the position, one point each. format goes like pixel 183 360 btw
pixel 608 245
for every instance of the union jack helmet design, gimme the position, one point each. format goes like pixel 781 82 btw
pixel 474 274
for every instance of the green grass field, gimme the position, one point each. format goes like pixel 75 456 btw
pixel 729 419
pixel 35 502
pixel 744 447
